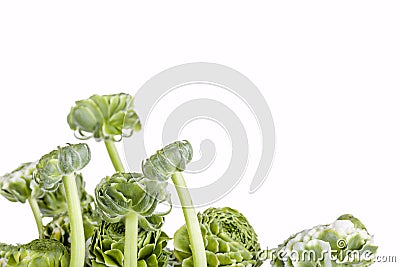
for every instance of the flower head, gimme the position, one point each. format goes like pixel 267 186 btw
pixel 228 237
pixel 343 243
pixel 122 193
pixel 107 117
pixel 61 162
pixel 165 162
pixel 107 246
pixel 38 253
pixel 18 185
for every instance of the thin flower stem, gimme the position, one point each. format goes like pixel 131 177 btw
pixel 131 220
pixel 114 156
pixel 37 214
pixel 75 215
pixel 192 223
pixel 131 236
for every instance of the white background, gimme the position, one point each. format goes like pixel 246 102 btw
pixel 329 71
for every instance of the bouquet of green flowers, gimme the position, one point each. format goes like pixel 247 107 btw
pixel 121 224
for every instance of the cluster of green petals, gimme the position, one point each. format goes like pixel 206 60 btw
pixel 38 253
pixel 107 247
pixel 18 185
pixel 228 237
pixel 60 227
pixel 230 222
pixel 123 193
pixel 344 243
pixel 61 162
pixel 106 117
pixel 168 160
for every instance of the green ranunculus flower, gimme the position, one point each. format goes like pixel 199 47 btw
pixel 61 162
pixel 344 243
pixel 228 237
pixel 107 117
pixel 107 247
pixel 38 253
pixel 60 166
pixel 122 193
pixel 167 161
pixel 230 222
pixel 18 185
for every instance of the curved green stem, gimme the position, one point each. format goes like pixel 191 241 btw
pixel 38 216
pixel 114 156
pixel 192 223
pixel 131 220
pixel 131 236
pixel 75 216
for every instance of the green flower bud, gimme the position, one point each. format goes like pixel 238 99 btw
pixel 172 158
pixel 54 203
pixel 61 162
pixel 18 185
pixel 107 117
pixel 38 253
pixel 228 237
pixel 343 243
pixel 107 246
pixel 122 193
